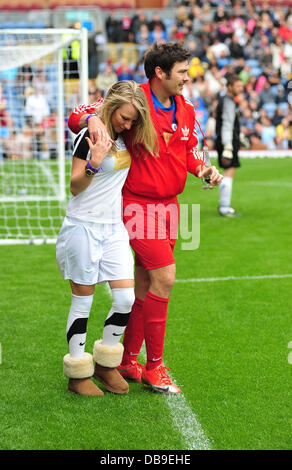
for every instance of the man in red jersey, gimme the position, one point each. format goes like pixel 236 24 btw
pixel 153 183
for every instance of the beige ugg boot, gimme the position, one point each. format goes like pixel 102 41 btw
pixel 107 358
pixel 79 371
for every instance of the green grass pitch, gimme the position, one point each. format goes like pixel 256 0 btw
pixel 226 341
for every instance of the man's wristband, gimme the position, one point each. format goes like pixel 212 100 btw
pixel 90 115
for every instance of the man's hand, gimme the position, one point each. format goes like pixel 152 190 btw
pixel 212 173
pixel 96 128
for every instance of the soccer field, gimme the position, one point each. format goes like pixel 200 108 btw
pixel 229 334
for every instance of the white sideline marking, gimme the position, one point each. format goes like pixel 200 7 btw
pixel 183 418
pixel 234 278
pixel 187 423
pixel 268 183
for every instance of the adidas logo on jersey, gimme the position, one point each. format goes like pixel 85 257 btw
pixel 185 130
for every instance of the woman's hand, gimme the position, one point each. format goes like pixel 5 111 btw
pixel 98 150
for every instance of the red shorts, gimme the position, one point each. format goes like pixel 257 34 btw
pixel 152 228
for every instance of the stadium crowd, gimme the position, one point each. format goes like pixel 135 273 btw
pixel 253 40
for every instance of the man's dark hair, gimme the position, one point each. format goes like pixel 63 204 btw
pixel 231 78
pixel 164 55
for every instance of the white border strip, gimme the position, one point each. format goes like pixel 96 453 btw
pixel 183 418
pixel 259 153
pixel 187 423
pixel 234 278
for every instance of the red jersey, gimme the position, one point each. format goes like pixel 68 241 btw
pixel 162 177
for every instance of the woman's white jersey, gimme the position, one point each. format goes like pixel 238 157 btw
pixel 101 201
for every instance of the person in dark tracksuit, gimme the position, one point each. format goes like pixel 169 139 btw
pixel 228 141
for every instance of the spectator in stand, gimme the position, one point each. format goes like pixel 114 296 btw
pixel 5 119
pixel 19 147
pixel 255 142
pixel 156 21
pixel 99 38
pixel 277 118
pixel 196 18
pixel 111 26
pixel 181 16
pixel 5 123
pixel 259 86
pixel 158 34
pixel 287 49
pixel 174 33
pixel 247 121
pixel 266 95
pixel 201 86
pixel 190 92
pixel 288 16
pixel 285 68
pixel 284 134
pixel 217 48
pixel 277 52
pixel 213 78
pixel 210 130
pixel 244 74
pixel 265 55
pixel 201 114
pixel 126 27
pixel 138 20
pixel 285 31
pixel 196 69
pixel 280 96
pixel 268 133
pixel 274 77
pixel 94 94
pixel 224 60
pixel 207 14
pixel 124 72
pixel 142 35
pixel 236 49
pixel 36 105
pixel 106 78
pixel 220 14
pixel 253 106
pixel 139 74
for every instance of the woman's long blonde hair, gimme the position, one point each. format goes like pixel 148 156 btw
pixel 129 92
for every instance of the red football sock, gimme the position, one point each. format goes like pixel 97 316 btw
pixel 154 313
pixel 134 333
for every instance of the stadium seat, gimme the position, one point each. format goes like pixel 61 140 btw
pixel 101 66
pixel 256 71
pixel 284 106
pixel 252 63
pixel 23 25
pixel 38 25
pixel 270 108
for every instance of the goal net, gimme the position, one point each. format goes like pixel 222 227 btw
pixel 43 76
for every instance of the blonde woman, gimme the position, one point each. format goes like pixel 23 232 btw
pixel 93 244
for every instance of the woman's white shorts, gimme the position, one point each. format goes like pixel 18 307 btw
pixel 89 253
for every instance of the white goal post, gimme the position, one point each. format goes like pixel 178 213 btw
pixel 43 76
